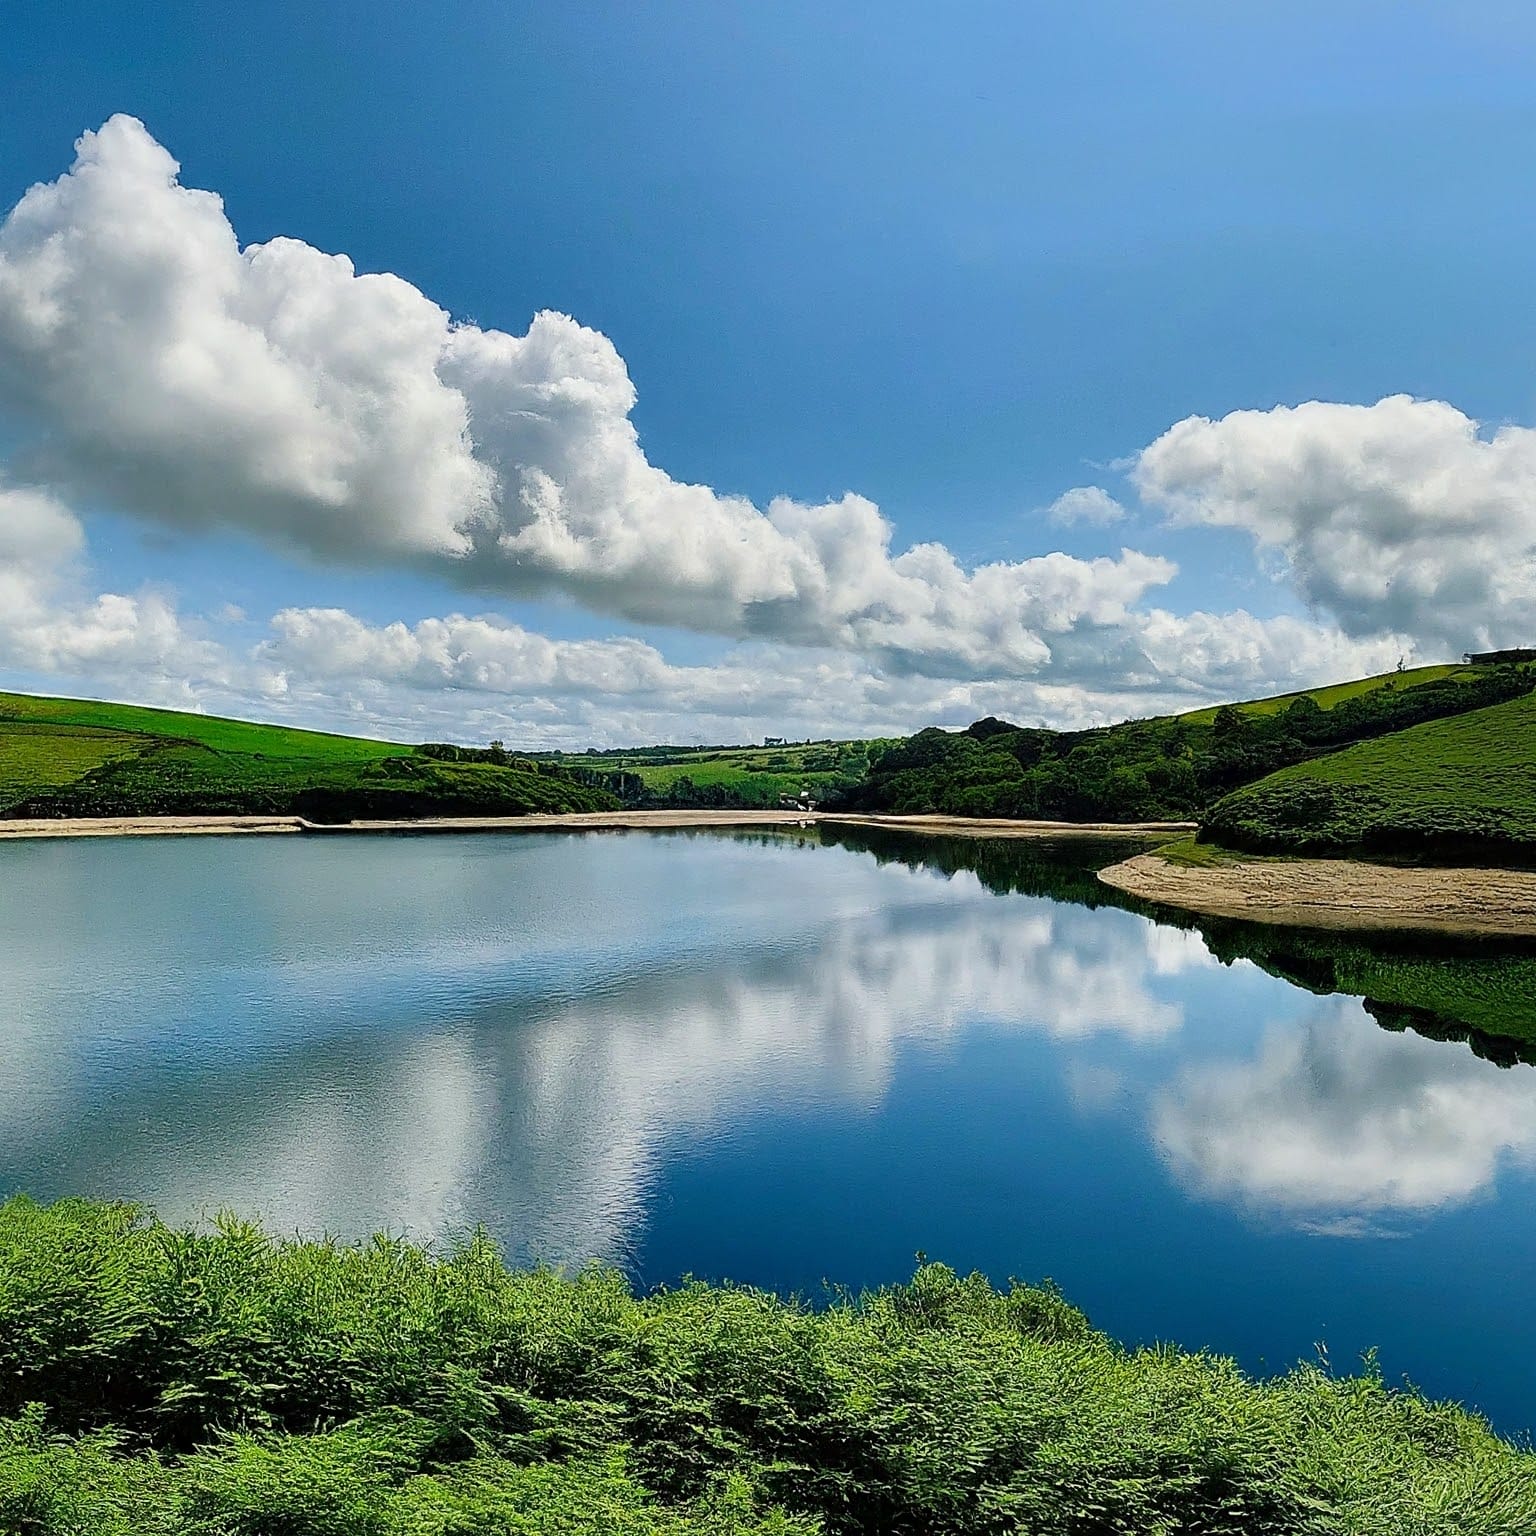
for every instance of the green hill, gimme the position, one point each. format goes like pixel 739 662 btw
pixel 81 757
pixel 1457 788
pixel 1169 767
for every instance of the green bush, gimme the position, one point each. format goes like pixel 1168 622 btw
pixel 161 1380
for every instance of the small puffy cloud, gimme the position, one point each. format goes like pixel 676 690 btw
pixel 1085 504
pixel 48 625
pixel 1396 517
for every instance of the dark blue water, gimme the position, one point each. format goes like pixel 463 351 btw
pixel 774 1061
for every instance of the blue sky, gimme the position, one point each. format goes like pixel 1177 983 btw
pixel 955 262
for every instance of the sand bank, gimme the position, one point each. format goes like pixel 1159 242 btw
pixel 186 826
pixel 1337 893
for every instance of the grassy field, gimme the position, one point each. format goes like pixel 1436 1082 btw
pixel 749 776
pixel 72 757
pixel 1462 787
pixel 157 1381
pixel 1337 693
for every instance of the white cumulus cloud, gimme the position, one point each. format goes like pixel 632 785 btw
pixel 274 389
pixel 1400 516
pixel 1085 504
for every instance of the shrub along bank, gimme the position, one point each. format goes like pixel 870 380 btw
pixel 155 1380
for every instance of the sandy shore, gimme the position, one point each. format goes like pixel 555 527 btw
pixel 193 826
pixel 1337 893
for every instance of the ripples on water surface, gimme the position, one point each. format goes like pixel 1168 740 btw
pixel 780 1062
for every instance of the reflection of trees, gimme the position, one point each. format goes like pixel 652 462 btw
pixel 1476 990
pixel 1064 868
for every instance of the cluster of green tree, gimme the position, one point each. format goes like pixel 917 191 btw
pixel 157 1381
pixel 449 752
pixel 171 778
pixel 1160 769
pixel 722 778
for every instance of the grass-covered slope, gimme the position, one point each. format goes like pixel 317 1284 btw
pixel 156 1381
pixel 1458 788
pixel 73 757
pixel 1171 767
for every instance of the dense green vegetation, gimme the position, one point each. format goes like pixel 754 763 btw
pixel 71 757
pixel 1168 768
pixel 156 1381
pixel 1458 788
pixel 651 778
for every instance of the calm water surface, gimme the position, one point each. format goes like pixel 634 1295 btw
pixel 781 1062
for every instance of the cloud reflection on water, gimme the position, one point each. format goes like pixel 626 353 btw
pixel 475 1054
pixel 1337 1124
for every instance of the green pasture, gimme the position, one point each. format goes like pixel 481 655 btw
pixel 1460 786
pixel 1336 693
pixel 80 757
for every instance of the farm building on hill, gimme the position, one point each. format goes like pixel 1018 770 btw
pixel 1497 658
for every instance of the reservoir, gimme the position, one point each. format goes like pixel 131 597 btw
pixel 792 1060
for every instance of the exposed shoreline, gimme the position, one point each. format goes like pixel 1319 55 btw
pixel 1337 893
pixel 210 826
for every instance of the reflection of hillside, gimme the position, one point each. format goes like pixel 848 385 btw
pixel 1477 991
pixel 1064 869
pixel 1480 992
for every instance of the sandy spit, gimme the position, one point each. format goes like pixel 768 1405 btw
pixel 187 826
pixel 1337 893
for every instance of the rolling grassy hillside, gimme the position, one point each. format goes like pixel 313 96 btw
pixel 1338 693
pixel 1457 788
pixel 1171 767
pixel 73 757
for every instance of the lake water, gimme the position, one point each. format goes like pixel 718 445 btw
pixel 784 1060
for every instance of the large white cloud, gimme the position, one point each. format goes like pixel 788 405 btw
pixel 275 390
pixel 147 360
pixel 1400 516
pixel 476 677
pixel 596 690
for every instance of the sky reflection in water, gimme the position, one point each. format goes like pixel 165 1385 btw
pixel 761 1058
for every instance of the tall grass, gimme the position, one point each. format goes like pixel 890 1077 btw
pixel 162 1380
